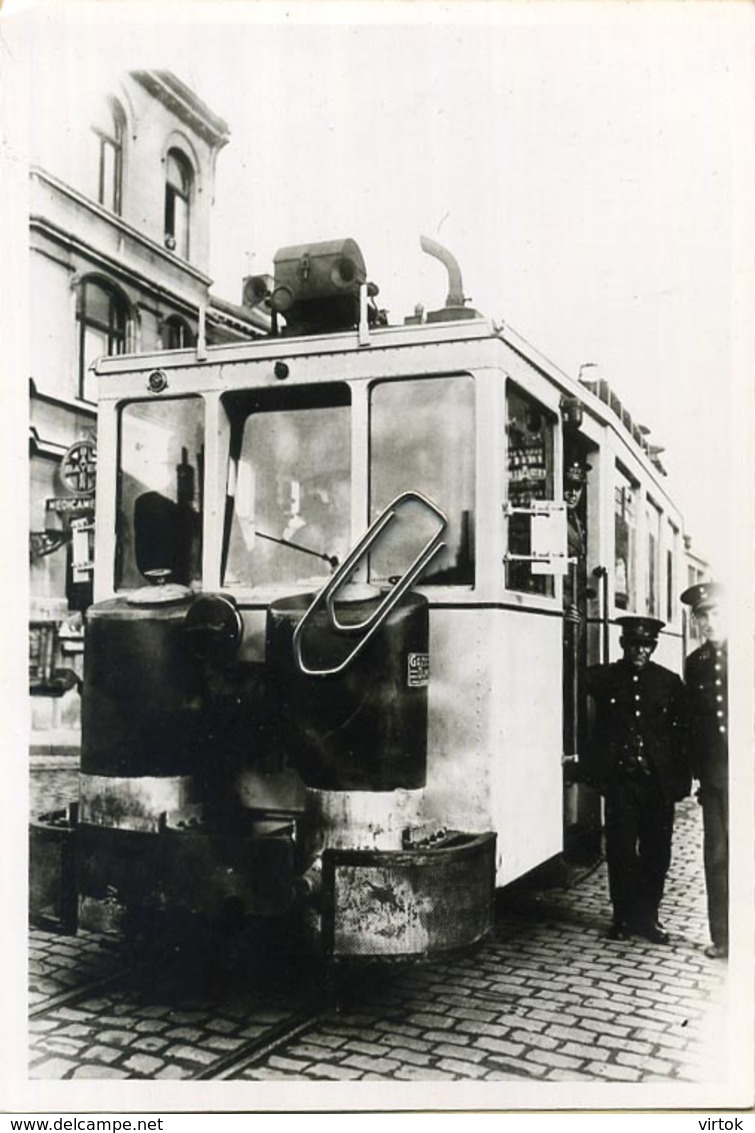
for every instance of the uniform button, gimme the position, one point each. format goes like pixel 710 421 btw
pixel 719 713
pixel 636 696
pixel 718 668
pixel 638 713
pixel 718 680
pixel 721 728
pixel 635 677
pixel 719 699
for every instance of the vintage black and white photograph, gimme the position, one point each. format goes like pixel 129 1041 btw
pixel 386 372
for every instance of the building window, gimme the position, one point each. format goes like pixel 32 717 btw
pixel 103 318
pixel 176 333
pixel 178 183
pixel 108 132
pixel 625 529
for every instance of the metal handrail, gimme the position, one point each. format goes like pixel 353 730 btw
pixel 372 623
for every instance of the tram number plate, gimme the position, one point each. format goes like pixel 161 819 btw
pixel 418 670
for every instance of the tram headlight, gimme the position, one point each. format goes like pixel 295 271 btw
pixel 282 299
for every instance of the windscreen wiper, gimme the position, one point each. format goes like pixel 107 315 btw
pixel 330 559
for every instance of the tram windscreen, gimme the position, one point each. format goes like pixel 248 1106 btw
pixel 160 485
pixel 288 506
pixel 422 439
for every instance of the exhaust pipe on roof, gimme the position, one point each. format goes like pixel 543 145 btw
pixel 455 302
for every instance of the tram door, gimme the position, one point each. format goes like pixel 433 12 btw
pixel 582 809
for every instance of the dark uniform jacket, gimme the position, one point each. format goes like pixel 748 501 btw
pixel 705 675
pixel 639 728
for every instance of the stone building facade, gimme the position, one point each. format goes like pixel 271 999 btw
pixel 121 189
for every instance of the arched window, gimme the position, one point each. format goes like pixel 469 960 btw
pixel 176 333
pixel 103 318
pixel 108 132
pixel 179 178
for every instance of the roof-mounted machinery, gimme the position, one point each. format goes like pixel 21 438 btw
pixel 318 288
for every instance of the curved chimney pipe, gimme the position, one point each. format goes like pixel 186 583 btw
pixel 455 289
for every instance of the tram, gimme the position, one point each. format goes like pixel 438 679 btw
pixel 325 663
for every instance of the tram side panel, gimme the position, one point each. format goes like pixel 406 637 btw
pixel 528 704
pixel 459 779
pixel 494 742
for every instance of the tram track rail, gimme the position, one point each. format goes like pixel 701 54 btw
pixel 257 1050
pixel 125 966
pixel 76 995
pixel 226 1066
pixel 122 967
pixel 156 981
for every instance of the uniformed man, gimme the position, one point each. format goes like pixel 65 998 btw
pixel 705 675
pixel 637 759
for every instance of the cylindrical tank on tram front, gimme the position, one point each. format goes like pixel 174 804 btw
pixel 140 708
pixel 363 728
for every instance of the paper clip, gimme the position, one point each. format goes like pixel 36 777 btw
pixel 371 624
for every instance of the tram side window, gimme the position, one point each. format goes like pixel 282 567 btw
pixel 422 439
pixel 671 586
pixel 652 588
pixel 625 532
pixel 288 506
pixel 160 484
pixel 529 437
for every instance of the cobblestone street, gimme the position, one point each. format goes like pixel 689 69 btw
pixel 547 998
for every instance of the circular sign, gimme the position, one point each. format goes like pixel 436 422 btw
pixel 157 381
pixel 78 467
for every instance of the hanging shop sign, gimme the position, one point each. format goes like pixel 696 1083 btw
pixel 78 505
pixel 78 468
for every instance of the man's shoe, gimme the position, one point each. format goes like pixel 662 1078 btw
pixel 655 933
pixel 717 951
pixel 619 930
